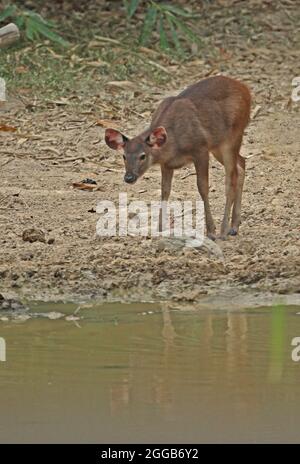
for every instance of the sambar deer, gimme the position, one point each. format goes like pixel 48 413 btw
pixel 209 116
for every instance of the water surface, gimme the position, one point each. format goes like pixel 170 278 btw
pixel 144 373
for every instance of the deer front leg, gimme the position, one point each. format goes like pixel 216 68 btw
pixel 201 165
pixel 230 190
pixel 236 211
pixel 166 185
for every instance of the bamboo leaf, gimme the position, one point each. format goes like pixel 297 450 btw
pixel 186 30
pixel 131 7
pixel 176 10
pixel 7 12
pixel 163 40
pixel 38 18
pixel 31 32
pixel 43 30
pixel 20 21
pixel 175 38
pixel 149 22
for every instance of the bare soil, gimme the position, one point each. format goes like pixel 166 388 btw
pixel 61 142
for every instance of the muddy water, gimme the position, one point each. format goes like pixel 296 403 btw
pixel 145 373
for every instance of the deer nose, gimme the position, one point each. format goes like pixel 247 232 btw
pixel 130 178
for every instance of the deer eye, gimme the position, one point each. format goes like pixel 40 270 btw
pixel 143 156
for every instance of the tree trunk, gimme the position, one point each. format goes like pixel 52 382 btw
pixel 9 34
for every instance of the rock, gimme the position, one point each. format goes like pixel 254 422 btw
pixel 34 235
pixel 173 244
pixel 54 315
pixel 72 318
pixel 207 245
pixel 26 256
pixel 10 304
pixel 89 181
pixel 291 250
pixel 190 295
pixel 21 317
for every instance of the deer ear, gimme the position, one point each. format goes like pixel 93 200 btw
pixel 157 138
pixel 114 139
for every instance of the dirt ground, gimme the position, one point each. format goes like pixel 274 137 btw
pixel 57 143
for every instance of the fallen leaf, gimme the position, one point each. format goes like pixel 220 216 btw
pixel 107 123
pixel 21 141
pixel 122 84
pixel 97 63
pixel 21 69
pixel 61 102
pixel 6 128
pixel 82 186
pixel 256 111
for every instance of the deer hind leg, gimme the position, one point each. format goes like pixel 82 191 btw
pixel 234 164
pixel 240 170
pixel 226 155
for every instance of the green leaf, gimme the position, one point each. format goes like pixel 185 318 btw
pixel 43 30
pixel 30 30
pixel 38 18
pixel 9 11
pixel 131 7
pixel 177 11
pixel 148 25
pixel 175 38
pixel 186 30
pixel 20 21
pixel 163 40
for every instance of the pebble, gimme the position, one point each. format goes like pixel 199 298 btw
pixel 34 235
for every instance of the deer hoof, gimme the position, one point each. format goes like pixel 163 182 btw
pixel 212 236
pixel 233 231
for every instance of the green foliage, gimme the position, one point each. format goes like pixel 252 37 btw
pixel 131 6
pixel 165 18
pixel 34 25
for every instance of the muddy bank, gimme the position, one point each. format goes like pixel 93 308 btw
pixel 65 259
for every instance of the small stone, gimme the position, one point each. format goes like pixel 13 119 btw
pixel 54 315
pixel 26 256
pixel 72 318
pixel 9 304
pixel 34 235
pixel 22 317
pixel 89 181
pixel 170 244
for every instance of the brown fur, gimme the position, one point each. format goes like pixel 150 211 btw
pixel 209 116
